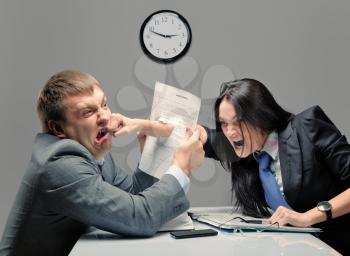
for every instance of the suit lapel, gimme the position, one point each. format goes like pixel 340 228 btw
pixel 291 163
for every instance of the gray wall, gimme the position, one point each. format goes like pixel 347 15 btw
pixel 299 49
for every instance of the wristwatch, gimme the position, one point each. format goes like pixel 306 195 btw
pixel 325 207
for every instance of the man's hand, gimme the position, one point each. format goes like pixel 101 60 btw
pixel 189 154
pixel 203 134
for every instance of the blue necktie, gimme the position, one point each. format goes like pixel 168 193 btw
pixel 272 191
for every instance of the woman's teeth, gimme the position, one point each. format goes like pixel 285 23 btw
pixel 238 143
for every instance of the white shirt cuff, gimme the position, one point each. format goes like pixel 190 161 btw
pixel 181 177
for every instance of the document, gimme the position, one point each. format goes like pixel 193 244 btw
pixel 181 222
pixel 225 218
pixel 174 106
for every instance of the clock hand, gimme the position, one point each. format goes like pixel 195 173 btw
pixel 162 35
pixel 159 34
pixel 170 36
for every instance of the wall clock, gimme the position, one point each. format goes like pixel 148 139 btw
pixel 165 36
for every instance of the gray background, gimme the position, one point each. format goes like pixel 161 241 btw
pixel 299 49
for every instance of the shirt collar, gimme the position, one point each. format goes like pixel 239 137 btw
pixel 271 145
pixel 100 162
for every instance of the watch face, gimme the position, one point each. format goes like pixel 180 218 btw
pixel 324 206
pixel 165 36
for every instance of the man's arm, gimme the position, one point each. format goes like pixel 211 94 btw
pixel 133 184
pixel 75 189
pixel 73 186
pixel 188 156
pixel 159 129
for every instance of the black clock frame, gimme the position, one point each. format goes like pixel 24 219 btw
pixel 165 60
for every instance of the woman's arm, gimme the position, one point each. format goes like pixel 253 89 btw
pixel 207 137
pixel 340 206
pixel 335 152
pixel 121 125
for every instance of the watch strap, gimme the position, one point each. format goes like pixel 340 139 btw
pixel 329 215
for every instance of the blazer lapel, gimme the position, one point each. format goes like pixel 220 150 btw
pixel 291 163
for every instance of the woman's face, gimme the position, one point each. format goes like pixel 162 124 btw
pixel 244 138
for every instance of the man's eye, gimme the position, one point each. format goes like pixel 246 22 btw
pixel 87 112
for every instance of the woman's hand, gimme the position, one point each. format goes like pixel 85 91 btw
pixel 286 216
pixel 121 125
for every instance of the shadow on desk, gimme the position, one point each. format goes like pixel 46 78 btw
pixel 98 234
pixel 98 242
pixel 225 244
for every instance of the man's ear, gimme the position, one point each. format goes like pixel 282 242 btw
pixel 56 128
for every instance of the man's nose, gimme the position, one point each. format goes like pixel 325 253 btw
pixel 103 116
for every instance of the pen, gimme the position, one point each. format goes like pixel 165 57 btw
pixel 253 221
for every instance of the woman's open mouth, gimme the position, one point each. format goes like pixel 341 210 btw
pixel 102 136
pixel 238 144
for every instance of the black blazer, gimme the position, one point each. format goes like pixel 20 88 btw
pixel 315 162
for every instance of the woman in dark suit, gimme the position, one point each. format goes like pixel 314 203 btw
pixel 309 158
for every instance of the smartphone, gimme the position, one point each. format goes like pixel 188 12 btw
pixel 193 233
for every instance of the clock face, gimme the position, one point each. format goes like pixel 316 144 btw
pixel 165 36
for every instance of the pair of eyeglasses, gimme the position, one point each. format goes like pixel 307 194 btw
pixel 252 229
pixel 223 224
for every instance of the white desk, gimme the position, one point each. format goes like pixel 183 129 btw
pixel 252 243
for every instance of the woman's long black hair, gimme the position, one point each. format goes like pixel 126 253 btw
pixel 254 104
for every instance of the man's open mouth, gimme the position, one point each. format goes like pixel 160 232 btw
pixel 102 135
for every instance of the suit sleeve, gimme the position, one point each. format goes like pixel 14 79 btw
pixel 133 184
pixel 209 145
pixel 71 186
pixel 332 145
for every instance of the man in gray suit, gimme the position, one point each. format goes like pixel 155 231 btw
pixel 72 182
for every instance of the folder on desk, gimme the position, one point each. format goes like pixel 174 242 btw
pixel 228 220
pixel 181 222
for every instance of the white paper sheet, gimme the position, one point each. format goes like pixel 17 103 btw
pixel 181 222
pixel 175 106
pixel 226 218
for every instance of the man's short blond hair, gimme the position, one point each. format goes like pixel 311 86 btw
pixel 50 105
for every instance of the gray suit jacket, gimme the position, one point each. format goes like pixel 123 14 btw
pixel 64 192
